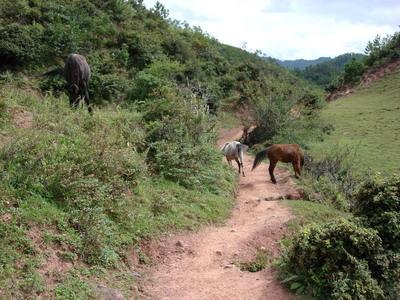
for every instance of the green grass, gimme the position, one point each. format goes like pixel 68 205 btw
pixel 84 186
pixel 261 261
pixel 228 120
pixel 307 212
pixel 368 120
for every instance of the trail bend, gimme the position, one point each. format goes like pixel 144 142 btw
pixel 199 265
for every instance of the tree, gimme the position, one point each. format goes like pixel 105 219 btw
pixel 353 71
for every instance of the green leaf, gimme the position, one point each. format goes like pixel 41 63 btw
pixel 295 285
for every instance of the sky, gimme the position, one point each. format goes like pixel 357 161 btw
pixel 290 29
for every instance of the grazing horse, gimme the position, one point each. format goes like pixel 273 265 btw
pixel 287 153
pixel 234 151
pixel 77 75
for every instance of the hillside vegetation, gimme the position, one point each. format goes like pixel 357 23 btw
pixel 367 121
pixel 325 73
pixel 80 195
pixel 354 169
pixel 379 53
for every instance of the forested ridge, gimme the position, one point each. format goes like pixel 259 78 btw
pixel 324 74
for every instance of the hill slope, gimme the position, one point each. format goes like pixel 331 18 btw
pixel 368 121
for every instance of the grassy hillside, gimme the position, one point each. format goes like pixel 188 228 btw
pixel 368 122
pixel 78 194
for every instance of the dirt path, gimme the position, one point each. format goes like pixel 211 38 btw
pixel 200 265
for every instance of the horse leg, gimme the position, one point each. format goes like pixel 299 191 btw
pixel 298 165
pixel 241 163
pixel 229 161
pixel 272 165
pixel 296 170
pixel 73 101
pixel 238 163
pixel 87 100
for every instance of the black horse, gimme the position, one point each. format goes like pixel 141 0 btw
pixel 76 72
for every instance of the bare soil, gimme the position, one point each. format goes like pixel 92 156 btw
pixel 203 265
pixel 53 267
pixel 22 118
pixel 369 77
pixel 376 74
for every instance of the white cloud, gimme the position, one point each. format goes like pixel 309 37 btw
pixel 289 29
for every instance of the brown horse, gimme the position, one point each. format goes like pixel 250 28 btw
pixel 287 153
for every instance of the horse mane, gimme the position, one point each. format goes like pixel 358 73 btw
pixel 259 157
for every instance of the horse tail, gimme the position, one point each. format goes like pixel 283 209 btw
pixel 223 147
pixel 302 159
pixel 54 72
pixel 259 157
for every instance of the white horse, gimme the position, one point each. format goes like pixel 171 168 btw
pixel 234 151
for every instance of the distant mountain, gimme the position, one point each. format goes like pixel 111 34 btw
pixel 302 63
pixel 321 71
pixel 323 74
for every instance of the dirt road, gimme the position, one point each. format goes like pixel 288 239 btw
pixel 201 265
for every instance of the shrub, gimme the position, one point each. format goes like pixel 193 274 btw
pixel 353 71
pixel 181 142
pixel 56 85
pixel 108 87
pixel 382 50
pixel 378 205
pixel 144 87
pixel 337 260
pixel 150 81
pixel 20 44
pixel 330 179
pixel 272 115
pixel 311 100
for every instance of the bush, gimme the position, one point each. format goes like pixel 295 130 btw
pixel 107 87
pixel 181 140
pixel 145 87
pixel 272 115
pixel 378 205
pixel 55 85
pixel 382 50
pixel 330 179
pixel 353 71
pixel 150 81
pixel 337 260
pixel 20 44
pixel 311 100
